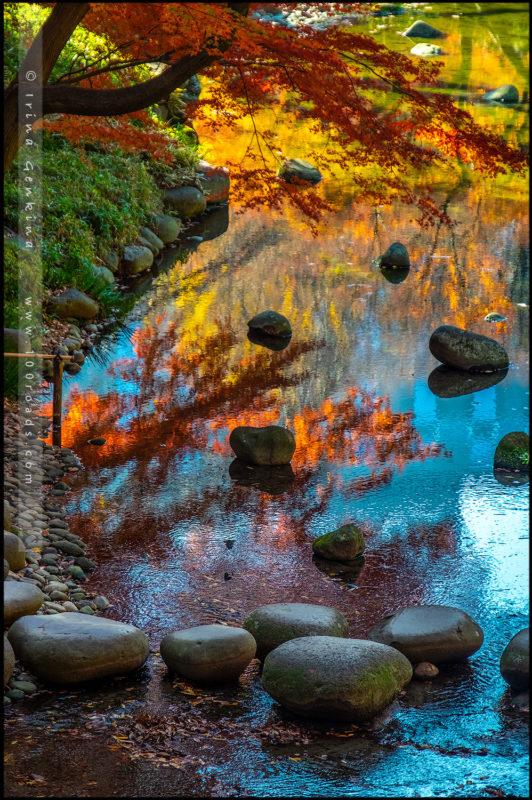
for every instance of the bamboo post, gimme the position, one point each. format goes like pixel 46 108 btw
pixel 57 401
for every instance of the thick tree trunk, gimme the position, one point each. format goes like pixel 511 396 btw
pixel 62 98
pixel 40 59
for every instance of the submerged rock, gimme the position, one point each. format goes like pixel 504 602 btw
pixel 73 303
pixel 332 678
pixel 211 653
pixel 467 351
pixel 271 323
pixel 395 256
pixel 295 170
pixel 186 201
pixel 270 445
pixel 422 30
pixel 447 382
pixel 430 633
pixel 343 544
pixel 513 452
pixel 74 647
pixel 273 480
pixel 271 625
pixel 508 93
pixel 514 664
pixel 20 599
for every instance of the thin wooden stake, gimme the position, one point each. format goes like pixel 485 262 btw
pixel 57 401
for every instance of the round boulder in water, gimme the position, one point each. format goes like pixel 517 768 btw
pixel 422 30
pixel 513 452
pixel 331 678
pixel 276 623
pixel 515 661
pixel 136 258
pixel 74 647
pixel 263 446
pixel 508 93
pixel 20 599
pixel 343 544
pixel 295 170
pixel 271 323
pixel 211 653
pixel 395 256
pixel 430 633
pixel 167 227
pixel 274 343
pixel 468 351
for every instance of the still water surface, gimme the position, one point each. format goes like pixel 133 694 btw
pixel 182 538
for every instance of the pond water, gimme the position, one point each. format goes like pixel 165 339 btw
pixel 182 538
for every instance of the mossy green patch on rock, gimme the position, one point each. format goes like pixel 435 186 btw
pixel 513 452
pixel 343 544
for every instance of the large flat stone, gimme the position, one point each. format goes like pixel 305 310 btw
pixel 273 624
pixel 72 648
pixel 20 599
pixel 334 678
pixel 210 653
pixel 430 633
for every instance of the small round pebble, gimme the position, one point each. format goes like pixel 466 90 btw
pixel 424 671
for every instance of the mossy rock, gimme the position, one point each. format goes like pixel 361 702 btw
pixel 268 446
pixel 152 237
pixel 136 258
pixel 513 452
pixel 167 228
pixel 186 201
pixel 73 303
pixel 271 323
pixel 332 678
pixel 273 624
pixel 343 544
pixel 104 275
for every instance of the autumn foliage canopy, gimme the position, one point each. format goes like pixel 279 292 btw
pixel 335 78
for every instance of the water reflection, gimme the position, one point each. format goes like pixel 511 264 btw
pixel 273 480
pixel 394 275
pixel 446 382
pixel 275 343
pixel 346 571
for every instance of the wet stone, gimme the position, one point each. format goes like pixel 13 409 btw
pixel 271 625
pixel 425 671
pixel 430 633
pixel 467 351
pixel 343 544
pixel 335 678
pixel 270 445
pixel 210 653
pixel 68 547
pixel 271 323
pixel 515 661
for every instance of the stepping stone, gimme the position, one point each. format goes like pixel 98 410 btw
pixel 333 678
pixel 20 598
pixel 73 648
pixel 343 544
pixel 210 653
pixel 14 551
pixel 430 633
pixel 274 624
pixel 515 661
